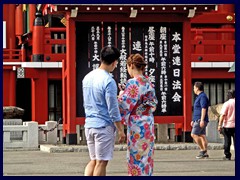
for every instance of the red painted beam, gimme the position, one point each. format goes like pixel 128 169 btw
pixel 55 74
pixel 213 18
pixel 52 73
pixel 168 119
pixel 213 57
pixel 213 42
pixel 80 120
pixel 213 30
pixel 32 72
pixel 8 67
pixel 54 57
pixel 210 73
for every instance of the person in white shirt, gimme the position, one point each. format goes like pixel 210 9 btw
pixel 227 123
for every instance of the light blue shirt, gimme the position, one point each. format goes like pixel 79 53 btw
pixel 100 99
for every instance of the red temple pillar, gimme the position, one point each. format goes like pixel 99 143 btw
pixel 40 98
pixel 11 38
pixel 178 132
pixel 69 120
pixel 19 22
pixel 38 38
pixel 187 82
pixel 32 12
pixel 11 44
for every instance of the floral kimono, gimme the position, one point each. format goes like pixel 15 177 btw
pixel 137 104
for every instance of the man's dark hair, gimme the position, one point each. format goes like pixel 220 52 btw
pixel 231 94
pixel 109 54
pixel 199 85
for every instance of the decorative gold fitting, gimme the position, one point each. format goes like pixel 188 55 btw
pixel 229 18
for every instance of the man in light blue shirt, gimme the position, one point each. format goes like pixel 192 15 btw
pixel 102 113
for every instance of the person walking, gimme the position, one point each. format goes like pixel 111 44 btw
pixel 102 113
pixel 200 120
pixel 137 102
pixel 227 123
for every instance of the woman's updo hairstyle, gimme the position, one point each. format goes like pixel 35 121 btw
pixel 137 60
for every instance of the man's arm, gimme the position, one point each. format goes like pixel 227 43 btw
pixel 221 118
pixel 203 114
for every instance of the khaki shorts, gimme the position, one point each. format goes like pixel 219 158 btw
pixel 101 142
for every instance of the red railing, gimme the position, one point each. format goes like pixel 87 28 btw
pixel 55 44
pixel 209 44
pixel 12 55
pixel 54 47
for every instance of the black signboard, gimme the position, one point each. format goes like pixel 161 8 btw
pixel 159 43
pixel 175 69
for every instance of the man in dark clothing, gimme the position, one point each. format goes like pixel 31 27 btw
pixel 200 120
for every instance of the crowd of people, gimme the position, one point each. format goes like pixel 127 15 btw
pixel 107 112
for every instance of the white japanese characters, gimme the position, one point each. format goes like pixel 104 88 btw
pixel 163 55
pixel 123 56
pixel 161 47
pixel 176 63
pixel 96 42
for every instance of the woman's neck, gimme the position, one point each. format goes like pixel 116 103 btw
pixel 137 73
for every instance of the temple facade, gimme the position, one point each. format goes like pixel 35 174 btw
pixel 49 48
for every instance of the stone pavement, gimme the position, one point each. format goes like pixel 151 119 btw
pixel 123 147
pixel 65 160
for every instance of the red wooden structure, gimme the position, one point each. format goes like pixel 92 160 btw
pixel 208 37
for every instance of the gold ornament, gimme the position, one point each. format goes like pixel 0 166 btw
pixel 229 18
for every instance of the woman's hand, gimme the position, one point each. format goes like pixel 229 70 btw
pixel 120 93
pixel 153 109
pixel 121 86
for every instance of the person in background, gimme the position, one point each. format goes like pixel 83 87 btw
pixel 102 113
pixel 227 123
pixel 137 102
pixel 200 120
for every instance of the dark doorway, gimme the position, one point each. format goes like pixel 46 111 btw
pixel 54 100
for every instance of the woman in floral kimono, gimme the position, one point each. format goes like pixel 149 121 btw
pixel 137 104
